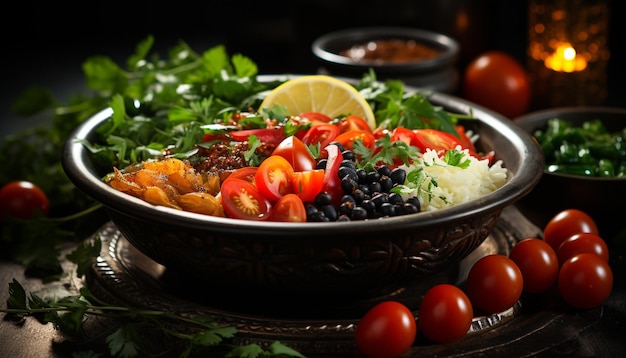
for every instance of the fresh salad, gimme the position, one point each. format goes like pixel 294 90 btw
pixel 189 134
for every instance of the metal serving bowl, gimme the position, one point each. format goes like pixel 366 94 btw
pixel 356 258
pixel 557 191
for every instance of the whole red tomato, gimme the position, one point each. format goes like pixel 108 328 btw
pixel 585 280
pixel 445 314
pixel 22 200
pixel 387 330
pixel 581 243
pixel 496 80
pixel 538 263
pixel 566 223
pixel 494 283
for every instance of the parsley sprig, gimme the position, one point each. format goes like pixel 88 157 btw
pixel 67 308
pixel 394 106
pixel 68 312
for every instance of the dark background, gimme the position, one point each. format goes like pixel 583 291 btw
pixel 45 45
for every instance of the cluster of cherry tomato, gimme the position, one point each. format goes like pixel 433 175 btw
pixel 571 256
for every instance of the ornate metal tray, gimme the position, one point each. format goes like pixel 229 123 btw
pixel 313 325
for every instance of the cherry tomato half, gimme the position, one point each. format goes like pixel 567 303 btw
pixel 296 152
pixel 265 135
pixel 289 208
pixel 321 134
pixel 466 142
pixel 242 200
pixel 445 314
pixel 245 173
pixel 581 243
pixel 22 200
pixel 387 330
pixel 273 178
pixel 348 138
pixel 435 139
pixel 494 283
pixel 308 184
pixel 350 123
pixel 315 117
pixel 404 135
pixel 538 263
pixel 499 82
pixel 567 223
pixel 585 281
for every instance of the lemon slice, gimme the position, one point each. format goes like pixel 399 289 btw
pixel 320 93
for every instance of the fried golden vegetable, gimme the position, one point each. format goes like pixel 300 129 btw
pixel 172 183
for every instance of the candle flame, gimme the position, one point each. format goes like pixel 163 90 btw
pixel 565 59
pixel 569 53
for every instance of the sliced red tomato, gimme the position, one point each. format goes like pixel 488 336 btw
pixel 289 208
pixel 322 134
pixel 296 153
pixel 245 173
pixel 209 137
pixel 435 139
pixel 242 200
pixel 489 156
pixel 273 178
pixel 465 141
pixel 265 135
pixel 348 138
pixel 381 132
pixel 403 134
pixel 308 184
pixel 332 182
pixel 315 117
pixel 351 123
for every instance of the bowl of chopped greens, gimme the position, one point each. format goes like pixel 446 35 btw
pixel 585 163
pixel 268 184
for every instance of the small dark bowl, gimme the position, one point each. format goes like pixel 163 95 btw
pixel 353 258
pixel 556 191
pixel 438 73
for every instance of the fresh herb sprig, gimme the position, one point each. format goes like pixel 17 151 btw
pixel 67 306
pixel 394 106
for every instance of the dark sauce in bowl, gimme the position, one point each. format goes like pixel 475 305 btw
pixel 391 51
